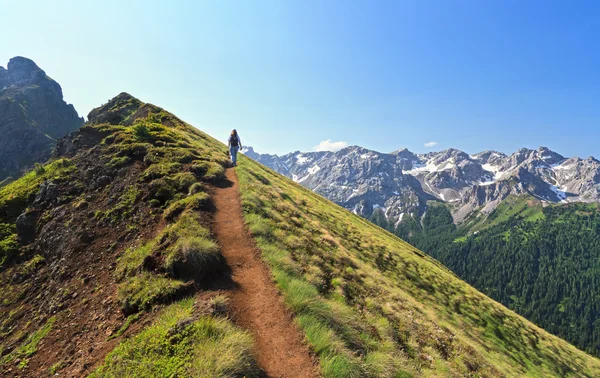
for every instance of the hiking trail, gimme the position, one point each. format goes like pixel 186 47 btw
pixel 256 303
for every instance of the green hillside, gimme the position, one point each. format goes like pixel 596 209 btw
pixel 372 305
pixel 107 247
pixel 539 261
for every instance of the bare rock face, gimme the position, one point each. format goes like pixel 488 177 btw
pixel 400 183
pixel 33 115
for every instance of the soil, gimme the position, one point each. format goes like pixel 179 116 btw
pixel 255 303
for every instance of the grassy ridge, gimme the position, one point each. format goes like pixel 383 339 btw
pixel 183 341
pixel 372 305
pixel 154 168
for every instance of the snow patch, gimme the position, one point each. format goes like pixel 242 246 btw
pixel 314 169
pixel 562 167
pixel 301 159
pixel 399 220
pixel 559 193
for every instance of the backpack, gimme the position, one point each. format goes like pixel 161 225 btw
pixel 233 139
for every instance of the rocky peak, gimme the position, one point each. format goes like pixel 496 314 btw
pixel 115 110
pixel 490 157
pixel 548 156
pixel 34 116
pixel 23 72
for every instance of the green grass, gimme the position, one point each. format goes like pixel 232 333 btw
pixel 181 344
pixel 372 305
pixel 146 289
pixel 124 208
pixel 131 260
pixel 29 347
pixel 198 201
pixel 128 322
pixel 15 196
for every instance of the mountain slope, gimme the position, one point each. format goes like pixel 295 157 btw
pixel 33 116
pixel 110 266
pixel 541 261
pixel 372 305
pixel 107 251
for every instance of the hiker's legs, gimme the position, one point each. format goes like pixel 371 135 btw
pixel 233 151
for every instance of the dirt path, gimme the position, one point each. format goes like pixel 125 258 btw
pixel 256 302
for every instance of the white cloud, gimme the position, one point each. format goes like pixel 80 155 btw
pixel 329 145
pixel 430 144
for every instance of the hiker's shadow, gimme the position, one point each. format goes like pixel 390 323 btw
pixel 220 280
pixel 223 183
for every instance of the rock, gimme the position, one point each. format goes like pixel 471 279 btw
pixel 34 116
pixel 127 308
pixel 47 195
pixel 26 226
pixel 102 181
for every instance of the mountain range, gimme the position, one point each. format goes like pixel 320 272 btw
pixel 401 183
pixel 33 115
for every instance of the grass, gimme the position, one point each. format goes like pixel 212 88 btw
pixel 131 260
pixel 124 208
pixel 144 290
pixel 8 242
pixel 128 322
pixel 523 206
pixel 29 347
pixel 15 196
pixel 181 344
pixel 372 305
pixel 198 201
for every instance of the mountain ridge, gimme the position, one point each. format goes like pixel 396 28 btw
pixel 401 182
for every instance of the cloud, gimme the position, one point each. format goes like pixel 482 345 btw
pixel 329 145
pixel 430 144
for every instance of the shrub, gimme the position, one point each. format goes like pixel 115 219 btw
pixel 141 132
pixel 39 169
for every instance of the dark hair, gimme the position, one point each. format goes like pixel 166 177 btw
pixel 234 132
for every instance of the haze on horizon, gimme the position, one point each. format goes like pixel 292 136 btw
pixel 296 75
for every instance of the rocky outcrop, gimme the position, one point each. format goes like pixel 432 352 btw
pixel 33 115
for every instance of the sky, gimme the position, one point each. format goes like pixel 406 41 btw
pixel 309 75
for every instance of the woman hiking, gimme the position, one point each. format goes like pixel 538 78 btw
pixel 234 145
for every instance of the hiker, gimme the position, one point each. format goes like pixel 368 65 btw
pixel 234 145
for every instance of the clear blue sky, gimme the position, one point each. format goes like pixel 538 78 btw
pixel 472 75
